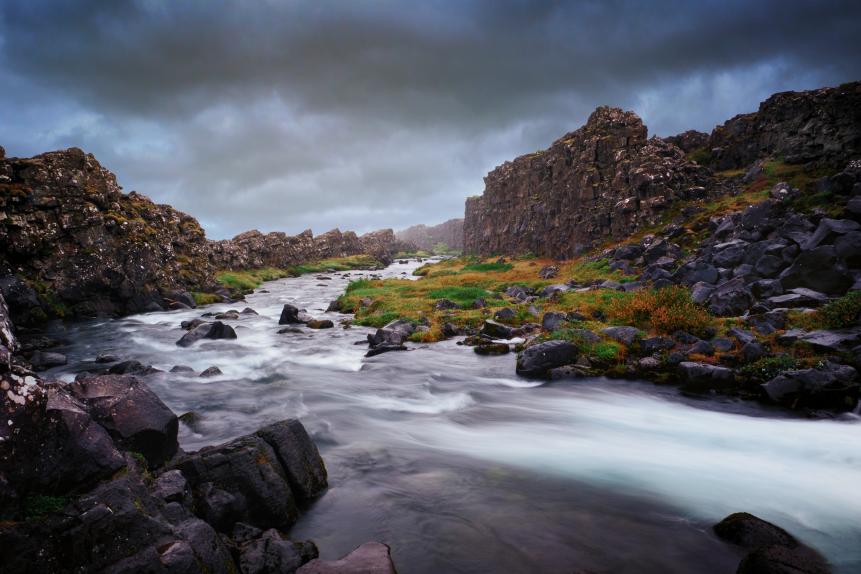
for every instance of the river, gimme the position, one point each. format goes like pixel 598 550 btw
pixel 461 466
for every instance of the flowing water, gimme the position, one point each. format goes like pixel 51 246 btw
pixel 461 466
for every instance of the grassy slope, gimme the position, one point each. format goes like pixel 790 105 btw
pixel 250 279
pixel 465 279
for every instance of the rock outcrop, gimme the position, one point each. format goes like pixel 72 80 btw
pixel 253 249
pixel 819 126
pixel 76 245
pixel 602 181
pixel 429 237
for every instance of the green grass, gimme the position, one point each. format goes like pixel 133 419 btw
pixel 460 295
pixel 837 314
pixel 205 298
pixel 250 279
pixel 767 368
pixel 377 320
pixel 485 267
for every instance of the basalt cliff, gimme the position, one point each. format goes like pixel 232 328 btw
pixel 608 179
pixel 447 235
pixel 74 245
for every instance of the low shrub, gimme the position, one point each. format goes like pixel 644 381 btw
pixel 485 267
pixel 840 313
pixel 664 310
pixel 767 368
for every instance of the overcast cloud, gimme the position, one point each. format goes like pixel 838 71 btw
pixel 284 115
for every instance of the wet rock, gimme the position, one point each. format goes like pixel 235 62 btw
pixel 831 387
pixel 702 376
pixel 496 330
pixel 189 325
pixel 369 558
pixel 271 553
pixel 649 364
pixel 394 333
pixel 538 360
pixel 192 420
pixel 132 368
pixel 292 330
pixel 772 549
pixel 384 348
pixel 107 358
pixel 42 360
pixel 227 316
pixel 298 456
pixel 210 372
pixel 491 349
pixel 216 330
pixel 181 369
pixel 133 415
pixel 320 324
pixel 624 335
pixel 290 315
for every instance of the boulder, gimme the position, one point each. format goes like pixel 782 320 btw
pixel 394 333
pixel 772 550
pixel 496 330
pixel 216 330
pixel 369 558
pixel 505 314
pixel 832 386
pixel 132 368
pixel 42 360
pixel 298 456
pixel 290 314
pixel 538 360
pixel 552 320
pixel 445 304
pixel 211 372
pixel 703 376
pixel 829 230
pixel 548 272
pixel 320 324
pixel 818 269
pixel 552 289
pixel 271 553
pixel 133 415
pixel 624 335
pixel 833 340
pixel 491 349
pixel 730 299
pixel 384 348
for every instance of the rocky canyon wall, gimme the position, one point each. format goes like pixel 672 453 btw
pixel 601 181
pixel 427 237
pixel 72 244
pixel 606 179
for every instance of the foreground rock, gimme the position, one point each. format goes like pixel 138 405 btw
pixel 772 550
pixel 369 558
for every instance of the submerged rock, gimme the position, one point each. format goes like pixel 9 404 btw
pixel 369 558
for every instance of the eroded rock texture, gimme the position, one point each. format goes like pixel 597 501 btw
pixel 800 127
pixel 84 247
pixel 603 180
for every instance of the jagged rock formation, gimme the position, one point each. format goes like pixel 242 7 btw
pixel 601 181
pixel 254 249
pixel 427 237
pixel 815 126
pixel 689 140
pixel 75 245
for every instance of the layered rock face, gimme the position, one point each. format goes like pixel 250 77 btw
pixel 427 237
pixel 75 245
pixel 815 126
pixel 602 181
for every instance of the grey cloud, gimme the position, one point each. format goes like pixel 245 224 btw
pixel 287 115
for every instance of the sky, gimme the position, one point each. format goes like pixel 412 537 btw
pixel 358 114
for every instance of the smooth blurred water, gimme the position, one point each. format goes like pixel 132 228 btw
pixel 461 466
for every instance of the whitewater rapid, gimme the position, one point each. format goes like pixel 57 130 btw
pixel 461 466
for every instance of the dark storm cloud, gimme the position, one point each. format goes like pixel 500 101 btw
pixel 286 115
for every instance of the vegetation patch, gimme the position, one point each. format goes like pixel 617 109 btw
pixel 837 314
pixel 40 505
pixel 485 267
pixel 662 310
pixel 250 279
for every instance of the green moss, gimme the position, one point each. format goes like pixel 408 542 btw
pixel 767 368
pixel 377 320
pixel 460 295
pixel 205 298
pixel 840 313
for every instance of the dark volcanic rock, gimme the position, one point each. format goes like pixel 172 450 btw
pixel 603 180
pixel 538 360
pixel 428 238
pixel 819 125
pixel 216 330
pixel 133 415
pixel 831 387
pixel 69 228
pixel 394 333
